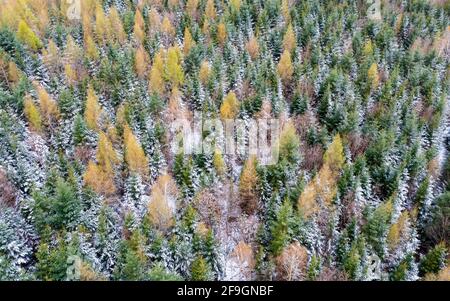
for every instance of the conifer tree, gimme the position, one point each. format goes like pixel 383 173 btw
pixel 230 106
pixel 92 111
pixel 33 114
pixel 285 69
pixel 289 40
pixel 248 185
pixel 26 35
pixel 134 154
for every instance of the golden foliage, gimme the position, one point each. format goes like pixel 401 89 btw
pixel 139 27
pixel 48 106
pixel 32 113
pixel 221 33
pixel 140 61
pixel 162 205
pixel 235 4
pixel 285 69
pixel 167 27
pixel 51 55
pixel 289 40
pixel 134 154
pixel 368 48
pixel 334 155
pixel 191 7
pixel 245 258
pixel 100 181
pixel 26 35
pixel 230 106
pixel 91 48
pixel 156 80
pixel 252 47
pixel 173 69
pixel 322 188
pixel 219 163
pixel 248 185
pixel 116 25
pixel 102 25
pixel 188 41
pixel 106 155
pixel 210 10
pixel 373 76
pixel 396 230
pixel 13 72
pixel 285 10
pixel 205 72
pixel 154 21
pixel 93 110
pixel 71 74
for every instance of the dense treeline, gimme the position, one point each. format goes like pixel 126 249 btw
pixel 89 187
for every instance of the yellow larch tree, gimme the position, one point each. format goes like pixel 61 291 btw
pixel 372 75
pixel 235 5
pixel 91 48
pixel 102 25
pixel 289 40
pixel 32 113
pixel 230 106
pixel 210 10
pixel 188 42
pixel 221 33
pixel 154 21
pixel 191 7
pixel 322 188
pixel 173 70
pixel 248 186
pixel 27 36
pixel 156 79
pixel 204 72
pixel 13 72
pixel 285 10
pixel 285 69
pixel 93 110
pixel 219 163
pixel 141 61
pixel 334 155
pixel 51 56
pixel 48 106
pixel 116 25
pixel 167 27
pixel 101 182
pixel 163 202
pixel 106 155
pixel 135 157
pixel 139 27
pixel 252 47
